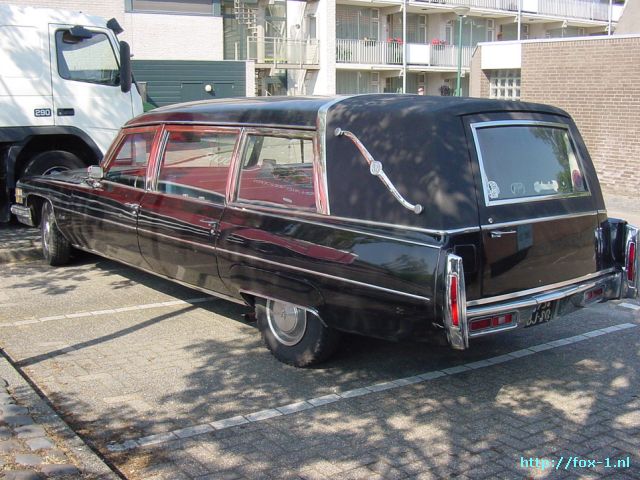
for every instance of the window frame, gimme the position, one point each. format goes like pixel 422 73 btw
pixel 319 173
pixel 162 145
pixel 111 154
pixel 216 10
pixel 94 32
pixel 535 123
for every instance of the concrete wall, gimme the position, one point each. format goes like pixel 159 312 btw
pixel 630 19
pixel 596 81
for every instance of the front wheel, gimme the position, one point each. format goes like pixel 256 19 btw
pixel 55 248
pixel 294 335
pixel 50 162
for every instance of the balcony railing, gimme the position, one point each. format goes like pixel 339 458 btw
pixel 374 52
pixel 583 9
pixel 283 51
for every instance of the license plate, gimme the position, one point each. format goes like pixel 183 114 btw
pixel 543 313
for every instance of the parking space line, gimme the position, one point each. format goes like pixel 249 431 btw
pixel 94 313
pixel 313 403
pixel 630 306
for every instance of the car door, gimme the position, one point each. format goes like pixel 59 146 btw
pixel 108 209
pixel 538 213
pixel 180 215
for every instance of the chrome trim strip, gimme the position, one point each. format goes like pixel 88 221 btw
pixel 101 219
pixel 509 296
pixel 325 275
pixel 509 123
pixel 271 213
pixel 164 277
pixel 492 226
pixel 219 124
pixel 376 169
pixel 321 126
pixel 441 233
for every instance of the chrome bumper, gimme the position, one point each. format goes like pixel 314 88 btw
pixel 608 286
pixel 23 214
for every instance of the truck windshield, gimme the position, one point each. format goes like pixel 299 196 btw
pixel 524 162
pixel 89 60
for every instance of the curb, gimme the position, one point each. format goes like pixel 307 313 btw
pixel 90 464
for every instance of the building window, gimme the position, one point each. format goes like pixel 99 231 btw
pixel 180 7
pixel 504 84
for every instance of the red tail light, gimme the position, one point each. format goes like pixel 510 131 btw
pixel 631 262
pixel 453 293
pixel 492 322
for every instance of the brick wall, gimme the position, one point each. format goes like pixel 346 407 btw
pixel 598 83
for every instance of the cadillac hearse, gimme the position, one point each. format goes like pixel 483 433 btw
pixel 393 216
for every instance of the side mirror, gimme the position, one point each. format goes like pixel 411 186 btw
pixel 95 172
pixel 125 67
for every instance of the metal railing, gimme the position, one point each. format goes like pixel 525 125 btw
pixel 584 9
pixel 368 51
pixel 283 51
pixel 374 52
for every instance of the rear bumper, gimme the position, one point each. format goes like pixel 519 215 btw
pixel 567 299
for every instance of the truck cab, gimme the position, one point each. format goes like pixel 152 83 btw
pixel 65 91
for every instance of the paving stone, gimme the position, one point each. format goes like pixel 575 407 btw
pixel 16 420
pixel 22 475
pixel 28 459
pixel 8 446
pixel 5 433
pixel 39 443
pixel 8 410
pixel 30 431
pixel 59 470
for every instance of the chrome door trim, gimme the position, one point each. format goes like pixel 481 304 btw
pixel 531 291
pixel 493 226
pixel 325 275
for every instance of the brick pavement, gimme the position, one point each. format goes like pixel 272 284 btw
pixel 34 442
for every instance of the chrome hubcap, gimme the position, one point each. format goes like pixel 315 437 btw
pixel 287 322
pixel 46 233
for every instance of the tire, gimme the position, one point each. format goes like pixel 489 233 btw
pixel 46 163
pixel 295 336
pixel 55 248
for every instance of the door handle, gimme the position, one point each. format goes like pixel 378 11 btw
pixel 500 233
pixel 134 207
pixel 213 225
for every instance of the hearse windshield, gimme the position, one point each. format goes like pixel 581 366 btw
pixel 526 161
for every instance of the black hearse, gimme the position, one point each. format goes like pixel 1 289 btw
pixel 395 216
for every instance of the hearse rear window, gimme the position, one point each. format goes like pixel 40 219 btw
pixel 195 163
pixel 527 161
pixel 278 170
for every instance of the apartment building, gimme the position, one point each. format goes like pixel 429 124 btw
pixel 317 47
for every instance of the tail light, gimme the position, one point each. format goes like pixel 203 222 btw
pixel 631 261
pixel 496 321
pixel 455 315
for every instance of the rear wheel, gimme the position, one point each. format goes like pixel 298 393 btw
pixel 55 248
pixel 294 335
pixel 46 163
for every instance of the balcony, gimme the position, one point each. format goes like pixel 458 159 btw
pixel 373 52
pixel 283 52
pixel 578 9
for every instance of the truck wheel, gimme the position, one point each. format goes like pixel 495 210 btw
pixel 55 248
pixel 294 335
pixel 54 161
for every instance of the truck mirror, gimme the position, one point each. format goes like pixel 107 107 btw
pixel 113 25
pixel 125 67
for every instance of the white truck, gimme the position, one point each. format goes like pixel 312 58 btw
pixel 65 91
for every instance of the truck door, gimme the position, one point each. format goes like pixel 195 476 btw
pixel 86 83
pixel 537 195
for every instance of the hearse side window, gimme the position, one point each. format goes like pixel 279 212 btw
pixel 278 170
pixel 129 166
pixel 195 164
pixel 527 161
